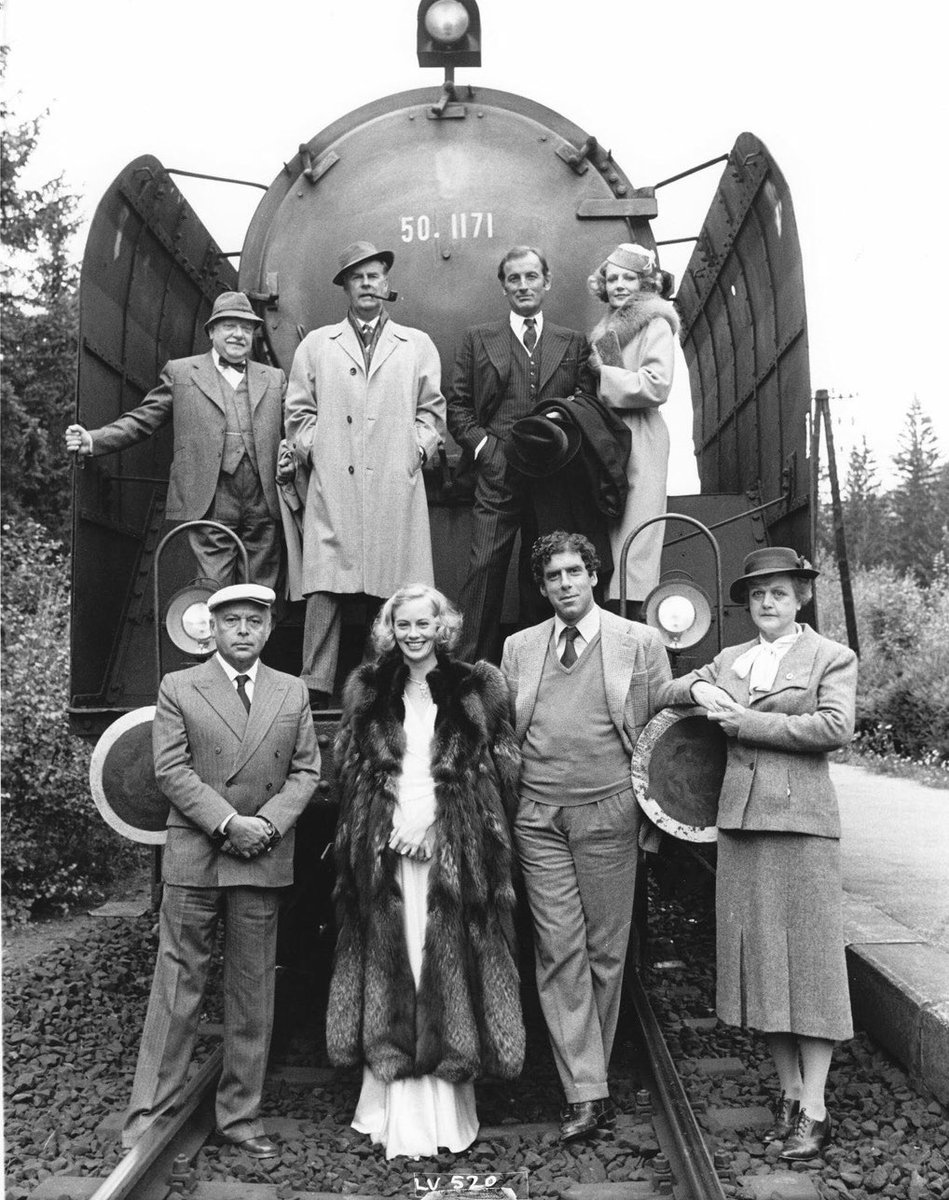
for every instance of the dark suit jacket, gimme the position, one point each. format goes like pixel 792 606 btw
pixel 777 776
pixel 212 760
pixel 189 394
pixel 483 369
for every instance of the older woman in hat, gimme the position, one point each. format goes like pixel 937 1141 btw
pixel 425 990
pixel 785 700
pixel 633 357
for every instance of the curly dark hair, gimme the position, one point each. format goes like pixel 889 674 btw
pixel 560 542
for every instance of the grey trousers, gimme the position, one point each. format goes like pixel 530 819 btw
pixel 322 627
pixel 239 503
pixel 579 866
pixel 185 945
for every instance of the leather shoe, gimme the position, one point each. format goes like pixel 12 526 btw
pixel 258 1147
pixel 809 1138
pixel 785 1118
pixel 582 1118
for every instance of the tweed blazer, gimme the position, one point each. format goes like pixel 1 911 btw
pixel 777 775
pixel 483 369
pixel 188 393
pixel 635 668
pixel 213 759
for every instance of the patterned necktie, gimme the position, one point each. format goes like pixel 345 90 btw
pixel 530 334
pixel 366 332
pixel 241 681
pixel 570 635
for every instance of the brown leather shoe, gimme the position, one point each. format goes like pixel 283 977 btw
pixel 258 1147
pixel 785 1118
pixel 809 1138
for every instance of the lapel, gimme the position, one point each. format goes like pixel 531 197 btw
pixel 796 669
pixel 530 670
pixel 554 343
pixel 346 338
pixel 497 345
pixel 208 379
pixel 618 647
pixel 220 693
pixel 256 384
pixel 388 341
pixel 269 694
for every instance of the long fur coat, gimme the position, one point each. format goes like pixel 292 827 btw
pixel 465 1018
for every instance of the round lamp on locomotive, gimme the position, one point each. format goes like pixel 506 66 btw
pixel 679 610
pixel 188 618
pixel 449 33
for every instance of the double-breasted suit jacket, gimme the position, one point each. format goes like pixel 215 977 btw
pixel 212 759
pixel 189 395
pixel 635 669
pixel 365 525
pixel 777 776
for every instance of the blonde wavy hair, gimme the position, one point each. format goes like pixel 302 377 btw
pixel 448 617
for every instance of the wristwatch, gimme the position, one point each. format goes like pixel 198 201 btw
pixel 273 834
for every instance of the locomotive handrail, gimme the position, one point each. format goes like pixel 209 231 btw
pixel 158 553
pixel 703 529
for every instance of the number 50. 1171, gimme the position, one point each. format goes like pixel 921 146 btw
pixel 463 225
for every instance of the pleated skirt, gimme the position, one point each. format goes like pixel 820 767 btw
pixel 779 913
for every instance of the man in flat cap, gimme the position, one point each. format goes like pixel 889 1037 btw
pixel 227 413
pixel 236 755
pixel 364 413
pixel 503 370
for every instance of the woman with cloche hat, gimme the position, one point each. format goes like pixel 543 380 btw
pixel 784 700
pixel 633 356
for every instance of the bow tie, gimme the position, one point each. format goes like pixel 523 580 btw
pixel 240 367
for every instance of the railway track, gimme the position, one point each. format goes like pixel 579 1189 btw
pixel 661 1137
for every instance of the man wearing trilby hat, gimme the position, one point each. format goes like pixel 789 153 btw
pixel 236 755
pixel 364 413
pixel 226 412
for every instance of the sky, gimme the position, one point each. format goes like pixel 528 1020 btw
pixel 849 98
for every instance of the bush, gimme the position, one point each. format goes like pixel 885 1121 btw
pixel 56 849
pixel 903 630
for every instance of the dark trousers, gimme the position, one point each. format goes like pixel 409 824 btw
pixel 187 924
pixel 239 503
pixel 502 508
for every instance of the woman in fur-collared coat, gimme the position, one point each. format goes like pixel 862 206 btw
pixel 425 990
pixel 633 355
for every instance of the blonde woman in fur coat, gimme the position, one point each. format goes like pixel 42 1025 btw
pixel 633 356
pixel 425 991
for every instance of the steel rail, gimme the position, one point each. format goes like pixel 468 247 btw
pixel 691 1162
pixel 137 1176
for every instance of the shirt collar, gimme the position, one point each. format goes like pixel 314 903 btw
pixel 517 323
pixel 588 625
pixel 222 364
pixel 232 674
pixel 357 322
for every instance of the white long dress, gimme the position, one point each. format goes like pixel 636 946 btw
pixel 416 1116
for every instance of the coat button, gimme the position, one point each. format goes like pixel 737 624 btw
pixel 352 370
pixel 349 420
pixel 352 470
pixel 217 749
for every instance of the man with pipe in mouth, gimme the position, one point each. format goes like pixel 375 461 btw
pixel 364 413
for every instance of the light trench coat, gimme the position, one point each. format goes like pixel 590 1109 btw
pixel 365 524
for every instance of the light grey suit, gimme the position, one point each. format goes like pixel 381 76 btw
pixel 212 759
pixel 579 862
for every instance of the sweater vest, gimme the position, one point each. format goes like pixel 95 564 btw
pixel 520 395
pixel 573 753
pixel 239 435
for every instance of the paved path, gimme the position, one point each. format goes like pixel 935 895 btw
pixel 895 849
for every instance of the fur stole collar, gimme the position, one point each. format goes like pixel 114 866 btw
pixel 375 689
pixel 635 315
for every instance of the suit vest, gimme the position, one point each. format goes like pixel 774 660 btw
pixel 239 435
pixel 520 395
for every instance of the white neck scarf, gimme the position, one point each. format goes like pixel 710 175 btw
pixel 762 661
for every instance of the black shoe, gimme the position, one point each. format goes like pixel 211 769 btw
pixel 785 1118
pixel 256 1147
pixel 582 1118
pixel 809 1138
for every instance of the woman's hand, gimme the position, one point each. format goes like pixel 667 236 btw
pixel 413 841
pixel 722 709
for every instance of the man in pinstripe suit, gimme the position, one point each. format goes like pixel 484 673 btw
pixel 503 370
pixel 236 755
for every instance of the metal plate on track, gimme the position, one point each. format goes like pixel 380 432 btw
pixel 122 779
pixel 677 770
